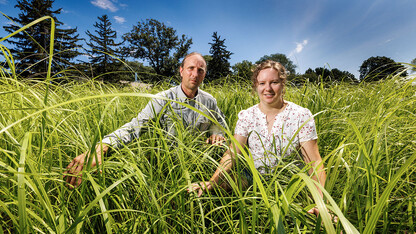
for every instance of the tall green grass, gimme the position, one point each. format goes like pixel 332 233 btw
pixel 366 138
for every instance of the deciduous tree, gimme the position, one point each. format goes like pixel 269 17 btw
pixel 243 69
pixel 321 74
pixel 282 59
pixel 158 44
pixel 339 75
pixel 380 67
pixel 414 65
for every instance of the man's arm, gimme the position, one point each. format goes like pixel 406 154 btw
pixel 132 130
pixel 216 140
pixel 73 175
pixel 121 136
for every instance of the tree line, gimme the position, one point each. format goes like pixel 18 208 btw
pixel 151 41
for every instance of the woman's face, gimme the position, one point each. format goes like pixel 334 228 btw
pixel 269 87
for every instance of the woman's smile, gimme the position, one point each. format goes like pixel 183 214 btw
pixel 270 87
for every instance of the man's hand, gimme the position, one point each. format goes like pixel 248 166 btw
pixel 200 187
pixel 73 175
pixel 215 140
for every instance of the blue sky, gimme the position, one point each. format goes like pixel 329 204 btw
pixel 332 33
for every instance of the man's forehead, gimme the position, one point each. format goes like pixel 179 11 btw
pixel 195 60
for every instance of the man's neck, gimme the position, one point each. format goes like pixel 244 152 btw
pixel 189 93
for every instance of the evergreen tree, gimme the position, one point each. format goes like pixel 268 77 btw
pixel 32 46
pixel 219 66
pixel 158 44
pixel 103 48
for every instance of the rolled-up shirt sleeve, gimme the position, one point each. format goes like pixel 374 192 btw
pixel 214 129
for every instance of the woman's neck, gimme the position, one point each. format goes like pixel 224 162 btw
pixel 273 108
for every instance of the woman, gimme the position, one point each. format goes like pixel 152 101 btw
pixel 272 127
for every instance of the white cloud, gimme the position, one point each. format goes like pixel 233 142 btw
pixel 66 26
pixel 299 47
pixel 10 23
pixel 119 19
pixel 105 4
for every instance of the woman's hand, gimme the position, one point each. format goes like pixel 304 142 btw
pixel 315 212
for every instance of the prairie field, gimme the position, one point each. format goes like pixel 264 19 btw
pixel 366 139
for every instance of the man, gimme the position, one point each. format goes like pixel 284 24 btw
pixel 192 71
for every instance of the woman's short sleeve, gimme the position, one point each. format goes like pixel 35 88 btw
pixel 242 127
pixel 308 131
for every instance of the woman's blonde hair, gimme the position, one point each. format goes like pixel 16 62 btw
pixel 281 70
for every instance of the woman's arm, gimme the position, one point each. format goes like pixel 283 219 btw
pixel 310 152
pixel 226 164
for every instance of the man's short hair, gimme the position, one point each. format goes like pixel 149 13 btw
pixel 191 54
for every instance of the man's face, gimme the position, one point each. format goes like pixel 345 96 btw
pixel 193 72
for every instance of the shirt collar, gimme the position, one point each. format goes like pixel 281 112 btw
pixel 182 96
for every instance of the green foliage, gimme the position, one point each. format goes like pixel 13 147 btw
pixel 243 70
pixel 413 63
pixel 157 43
pixel 282 59
pixel 218 65
pixel 32 46
pixel 104 49
pixel 343 75
pixel 325 75
pixel 379 68
pixel 131 70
